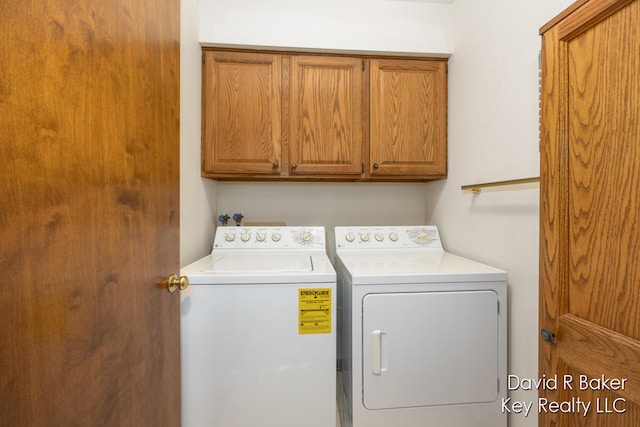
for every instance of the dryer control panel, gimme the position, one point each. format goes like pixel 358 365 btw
pixel 388 237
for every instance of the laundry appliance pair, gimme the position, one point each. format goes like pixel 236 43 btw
pixel 422 331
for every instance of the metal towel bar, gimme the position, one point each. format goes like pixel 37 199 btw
pixel 477 188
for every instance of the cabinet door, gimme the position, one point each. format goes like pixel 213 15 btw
pixel 326 115
pixel 408 119
pixel 241 114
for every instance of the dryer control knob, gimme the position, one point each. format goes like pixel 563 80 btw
pixel 229 237
pixel 379 237
pixel 307 237
pixel 364 237
pixel 245 237
pixel 350 237
pixel 422 236
pixel 394 236
pixel 260 237
pixel 276 237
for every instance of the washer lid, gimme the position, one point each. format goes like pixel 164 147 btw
pixel 261 264
pixel 257 267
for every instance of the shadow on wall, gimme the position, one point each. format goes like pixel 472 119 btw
pixel 434 192
pixel 327 204
pixel 324 204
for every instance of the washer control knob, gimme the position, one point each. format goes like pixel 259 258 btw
pixel 422 236
pixel 245 236
pixel 364 237
pixel 260 237
pixel 229 237
pixel 307 237
pixel 350 237
pixel 394 236
pixel 379 237
pixel 276 237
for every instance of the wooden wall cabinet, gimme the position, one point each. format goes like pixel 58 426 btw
pixel 408 119
pixel 325 116
pixel 241 114
pixel 293 116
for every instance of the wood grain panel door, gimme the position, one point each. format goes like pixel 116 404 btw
pixel 408 119
pixel 241 113
pixel 590 214
pixel 89 128
pixel 326 118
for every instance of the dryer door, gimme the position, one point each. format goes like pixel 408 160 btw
pixel 429 348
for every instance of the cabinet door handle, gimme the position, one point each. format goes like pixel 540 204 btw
pixel 375 166
pixel 276 164
pixel 294 166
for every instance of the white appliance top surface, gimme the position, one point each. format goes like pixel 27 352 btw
pixel 261 263
pixel 411 258
pixel 264 255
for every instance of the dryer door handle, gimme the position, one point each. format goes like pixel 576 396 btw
pixel 376 352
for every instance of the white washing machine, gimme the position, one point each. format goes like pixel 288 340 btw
pixel 259 332
pixel 424 331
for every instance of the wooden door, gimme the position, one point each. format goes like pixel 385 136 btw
pixel 241 114
pixel 590 214
pixel 326 116
pixel 89 127
pixel 408 119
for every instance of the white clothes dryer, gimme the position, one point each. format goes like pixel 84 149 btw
pixel 424 332
pixel 259 331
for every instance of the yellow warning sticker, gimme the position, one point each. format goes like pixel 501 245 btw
pixel 314 311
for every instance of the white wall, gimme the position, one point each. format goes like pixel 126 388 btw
pixel 492 133
pixel 380 25
pixel 197 195
pixel 416 26
pixel 328 204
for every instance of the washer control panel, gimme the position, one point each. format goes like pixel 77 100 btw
pixel 290 237
pixel 388 237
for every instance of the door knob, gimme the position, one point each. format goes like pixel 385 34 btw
pixel 174 283
pixel 547 336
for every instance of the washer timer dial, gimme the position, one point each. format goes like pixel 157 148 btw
pixel 307 237
pixel 424 236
